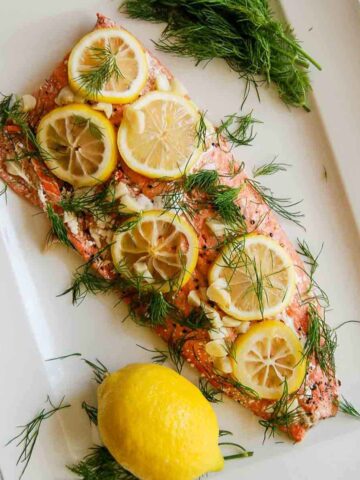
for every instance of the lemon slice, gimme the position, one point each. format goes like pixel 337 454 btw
pixel 267 355
pixel 158 135
pixel 108 65
pixel 252 278
pixel 160 250
pixel 79 144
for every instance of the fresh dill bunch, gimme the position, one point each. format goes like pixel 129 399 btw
pixel 283 414
pixel 282 206
pixel 244 33
pixel 270 169
pixel 105 68
pixel 99 370
pixel 321 340
pixel 159 357
pixel 100 203
pixel 203 180
pixel 212 395
pixel 238 130
pixel 29 433
pixel 346 407
pixel 99 464
pixel 91 412
pixel 57 226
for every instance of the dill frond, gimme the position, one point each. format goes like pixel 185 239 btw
pixel 203 180
pixel 99 370
pixel 100 464
pixel 348 408
pixel 283 414
pixel 238 130
pixel 105 68
pixel 270 169
pixel 3 191
pixel 63 357
pixel 223 200
pixel 29 433
pixel 158 309
pixel 85 282
pixel 196 319
pixel 159 357
pixel 282 206
pixel 211 394
pixel 91 412
pixel 309 259
pixel 243 452
pixel 244 34
pixel 201 131
pixel 57 226
pixel 175 348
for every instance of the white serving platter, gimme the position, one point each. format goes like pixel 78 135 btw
pixel 37 325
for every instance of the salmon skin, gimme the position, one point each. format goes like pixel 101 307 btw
pixel 317 398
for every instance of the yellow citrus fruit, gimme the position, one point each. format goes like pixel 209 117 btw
pixel 254 278
pixel 157 424
pixel 161 249
pixel 79 144
pixel 265 356
pixel 109 58
pixel 158 135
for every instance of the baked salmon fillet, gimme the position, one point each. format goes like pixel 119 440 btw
pixel 229 212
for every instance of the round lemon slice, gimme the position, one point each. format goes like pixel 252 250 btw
pixel 158 135
pixel 108 65
pixel 268 355
pixel 252 278
pixel 79 144
pixel 160 250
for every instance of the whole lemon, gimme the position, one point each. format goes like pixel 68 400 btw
pixel 157 424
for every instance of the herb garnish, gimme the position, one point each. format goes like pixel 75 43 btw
pixel 346 407
pixel 243 452
pixel 91 412
pixel 212 395
pixel 242 32
pixel 237 129
pixel 99 370
pixel 57 226
pixel 99 464
pixel 30 432
pixel 270 168
pixel 105 68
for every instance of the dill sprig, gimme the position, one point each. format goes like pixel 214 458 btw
pixel 196 319
pixel 270 169
pixel 99 464
pixel 29 433
pixel 3 191
pixel 203 180
pixel 282 206
pixel 243 452
pixel 212 395
pixel 63 357
pixel 310 260
pixel 105 68
pixel 173 353
pixel 57 226
pixel 201 131
pixel 348 408
pixel 244 33
pixel 223 200
pixel 158 309
pixel 159 357
pixel 238 130
pixel 321 340
pixel 99 370
pixel 91 412
pixel 283 414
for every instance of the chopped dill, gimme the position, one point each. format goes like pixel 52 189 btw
pixel 29 433
pixel 310 260
pixel 212 395
pixel 91 412
pixel 57 226
pixel 63 357
pixel 346 407
pixel 270 169
pixel 99 464
pixel 242 454
pixel 283 414
pixel 282 206
pixel 105 68
pixel 159 357
pixel 197 318
pixel 99 370
pixel 237 130
pixel 244 33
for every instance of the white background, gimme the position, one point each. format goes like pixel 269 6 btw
pixel 36 325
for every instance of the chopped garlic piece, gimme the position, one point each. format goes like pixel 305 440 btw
pixel 141 268
pixel 14 167
pixel 230 321
pixel 213 316
pixel 65 96
pixel 217 333
pixel 121 189
pixel 71 221
pixel 243 327
pixel 216 348
pixel 28 102
pixel 107 108
pixel 178 88
pixel 217 293
pixel 223 364
pixel 162 83
pixel 218 228
pixel 194 299
pixel 136 118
